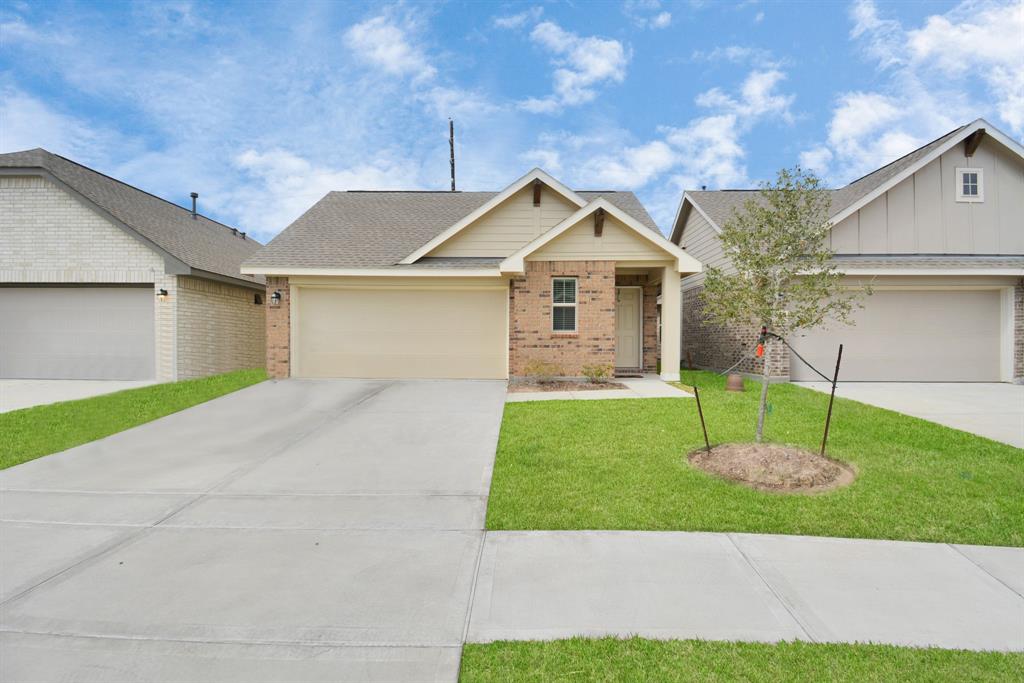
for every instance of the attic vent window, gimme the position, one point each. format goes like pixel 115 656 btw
pixel 970 185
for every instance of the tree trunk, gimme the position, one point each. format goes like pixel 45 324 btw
pixel 763 406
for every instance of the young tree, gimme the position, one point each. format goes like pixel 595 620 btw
pixel 784 279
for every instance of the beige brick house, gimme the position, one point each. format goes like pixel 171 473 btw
pixel 471 284
pixel 100 280
pixel 938 235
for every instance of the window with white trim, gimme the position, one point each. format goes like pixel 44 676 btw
pixel 970 185
pixel 563 304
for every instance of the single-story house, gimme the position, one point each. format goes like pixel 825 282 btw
pixel 938 235
pixel 101 280
pixel 471 284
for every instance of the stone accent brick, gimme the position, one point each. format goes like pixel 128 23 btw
pixel 279 330
pixel 651 350
pixel 220 328
pixel 717 347
pixel 530 333
pixel 1018 332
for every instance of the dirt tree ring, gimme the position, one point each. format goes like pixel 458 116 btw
pixel 774 467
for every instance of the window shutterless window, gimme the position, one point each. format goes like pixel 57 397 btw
pixel 563 304
pixel 970 185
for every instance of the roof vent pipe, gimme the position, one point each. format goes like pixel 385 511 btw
pixel 195 196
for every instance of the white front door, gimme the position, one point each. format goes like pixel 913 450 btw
pixel 628 309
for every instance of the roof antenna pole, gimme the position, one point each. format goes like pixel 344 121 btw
pixel 451 147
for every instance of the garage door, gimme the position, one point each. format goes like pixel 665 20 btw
pixel 420 333
pixel 76 332
pixel 911 336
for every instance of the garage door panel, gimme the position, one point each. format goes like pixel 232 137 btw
pixel 76 333
pixel 910 336
pixel 430 333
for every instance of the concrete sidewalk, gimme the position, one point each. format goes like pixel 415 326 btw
pixel 648 386
pixel 558 584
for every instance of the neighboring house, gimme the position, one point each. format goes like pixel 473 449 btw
pixel 470 284
pixel 938 234
pixel 100 280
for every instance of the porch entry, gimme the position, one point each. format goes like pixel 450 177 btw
pixel 628 328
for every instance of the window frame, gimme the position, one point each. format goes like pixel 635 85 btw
pixel 574 305
pixel 960 196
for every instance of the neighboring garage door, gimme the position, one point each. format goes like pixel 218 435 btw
pixel 911 336
pixel 76 332
pixel 389 333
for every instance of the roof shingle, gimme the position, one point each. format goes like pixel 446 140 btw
pixel 379 229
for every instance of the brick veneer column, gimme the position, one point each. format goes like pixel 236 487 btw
pixel 530 333
pixel 279 329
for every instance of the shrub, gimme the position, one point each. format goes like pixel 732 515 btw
pixel 597 374
pixel 542 372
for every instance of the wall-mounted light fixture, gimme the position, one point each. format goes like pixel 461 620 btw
pixel 162 294
pixel 275 298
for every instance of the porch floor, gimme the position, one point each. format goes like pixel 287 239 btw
pixel 648 386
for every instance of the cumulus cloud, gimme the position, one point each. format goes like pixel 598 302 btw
pixel 934 77
pixel 27 122
pixel 738 54
pixel 383 43
pixel 582 64
pixel 647 14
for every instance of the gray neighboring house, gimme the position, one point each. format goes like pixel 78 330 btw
pixel 101 280
pixel 938 234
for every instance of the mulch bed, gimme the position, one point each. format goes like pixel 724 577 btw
pixel 563 386
pixel 774 467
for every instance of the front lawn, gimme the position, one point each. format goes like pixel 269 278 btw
pixel 33 432
pixel 621 464
pixel 636 659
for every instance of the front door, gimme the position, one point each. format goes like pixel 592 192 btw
pixel 628 306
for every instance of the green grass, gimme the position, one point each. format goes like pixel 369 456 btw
pixel 636 659
pixel 34 432
pixel 621 464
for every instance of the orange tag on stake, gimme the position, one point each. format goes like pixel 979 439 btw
pixel 760 350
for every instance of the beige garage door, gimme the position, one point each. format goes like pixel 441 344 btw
pixel 398 333
pixel 911 336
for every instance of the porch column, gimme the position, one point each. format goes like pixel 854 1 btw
pixel 671 331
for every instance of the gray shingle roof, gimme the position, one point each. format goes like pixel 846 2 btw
pixel 379 229
pixel 202 244
pixel 720 204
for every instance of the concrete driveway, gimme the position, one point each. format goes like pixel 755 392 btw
pixel 16 394
pixel 992 410
pixel 294 530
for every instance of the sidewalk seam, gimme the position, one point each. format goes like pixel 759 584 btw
pixel 985 571
pixel 799 622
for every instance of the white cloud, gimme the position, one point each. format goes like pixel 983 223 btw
pixel 548 159
pixel 381 42
pixel 738 54
pixel 932 81
pixel 515 21
pixel 283 184
pixel 630 167
pixel 647 14
pixel 581 65
pixel 817 159
pixel 26 123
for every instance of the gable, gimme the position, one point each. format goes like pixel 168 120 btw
pixel 700 240
pixel 921 215
pixel 508 226
pixel 616 243
pixel 51 236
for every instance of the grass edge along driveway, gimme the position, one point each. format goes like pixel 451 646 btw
pixel 638 659
pixel 621 464
pixel 31 433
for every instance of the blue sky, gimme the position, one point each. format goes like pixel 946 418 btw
pixel 264 107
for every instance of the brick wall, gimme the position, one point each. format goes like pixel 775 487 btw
pixel 220 328
pixel 530 333
pixel 50 236
pixel 717 347
pixel 651 350
pixel 1018 332
pixel 278 329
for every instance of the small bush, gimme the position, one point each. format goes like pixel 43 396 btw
pixel 542 372
pixel 597 374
